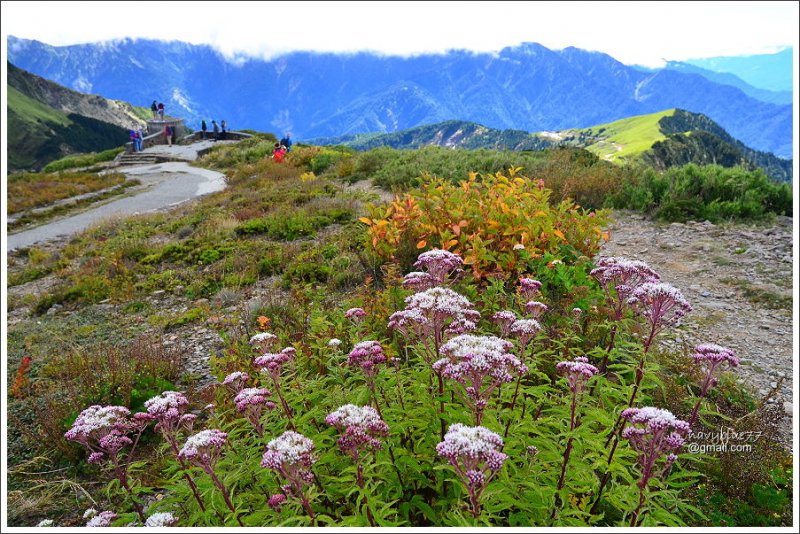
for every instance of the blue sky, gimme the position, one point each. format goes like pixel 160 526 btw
pixel 643 33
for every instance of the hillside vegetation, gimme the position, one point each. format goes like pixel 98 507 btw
pixel 304 282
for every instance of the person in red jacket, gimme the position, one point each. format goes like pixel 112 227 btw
pixel 278 153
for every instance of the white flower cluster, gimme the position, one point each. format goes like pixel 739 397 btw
pixel 95 419
pixel 352 415
pixel 262 338
pixel 288 448
pixel 168 402
pixel 161 519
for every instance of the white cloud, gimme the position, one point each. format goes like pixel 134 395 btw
pixel 632 32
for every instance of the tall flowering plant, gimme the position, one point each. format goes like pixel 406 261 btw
pixel 203 450
pixel 169 411
pixel 272 365
pixel 291 456
pixel 710 357
pixel 480 364
pixel 252 402
pixel 361 428
pixel 475 454
pixel 104 431
pixel 654 434
pixel 577 372
pixel 368 356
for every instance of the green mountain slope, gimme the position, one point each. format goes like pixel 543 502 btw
pixel 666 139
pixel 47 121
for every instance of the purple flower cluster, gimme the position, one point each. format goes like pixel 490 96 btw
pixel 367 355
pixel 291 456
pixel 236 381
pixel 355 314
pixel 653 433
pixel 578 372
pixel 103 519
pixel 104 430
pixel 529 288
pixel 419 281
pixel 263 341
pixel 252 402
pixel 169 409
pixel 361 426
pixel 474 453
pixel 204 448
pixel 433 313
pixel 275 501
pixel 272 363
pixel 439 264
pixel 535 308
pixel 481 364
pixel 505 319
pixel 660 303
pixel 710 357
pixel 624 276
pixel 524 330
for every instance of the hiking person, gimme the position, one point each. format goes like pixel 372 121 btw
pixel 224 126
pixel 168 131
pixel 204 128
pixel 161 110
pixel 132 135
pixel 287 142
pixel 215 128
pixel 154 109
pixel 140 139
pixel 278 153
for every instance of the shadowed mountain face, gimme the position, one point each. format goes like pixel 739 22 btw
pixel 47 121
pixel 528 87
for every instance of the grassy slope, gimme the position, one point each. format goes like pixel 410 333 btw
pixel 28 130
pixel 625 139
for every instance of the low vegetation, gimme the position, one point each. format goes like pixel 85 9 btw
pixel 82 160
pixel 31 190
pixel 331 348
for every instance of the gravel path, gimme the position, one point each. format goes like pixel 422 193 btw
pixel 164 185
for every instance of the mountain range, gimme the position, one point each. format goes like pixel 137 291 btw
pixel 47 121
pixel 670 138
pixel 527 87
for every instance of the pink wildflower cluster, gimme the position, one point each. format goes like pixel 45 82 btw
pixel 578 372
pixel 291 456
pixel 660 303
pixel 367 355
pixel 272 363
pixel 169 409
pixel 439 265
pixel 263 341
pixel 535 308
pixel 236 381
pixel 104 430
pixel 252 402
pixel 524 330
pixel 710 357
pixel 475 454
pixel 623 276
pixel 419 281
pixel 355 314
pixel 480 364
pixel 102 519
pixel 161 519
pixel 361 426
pixel 653 433
pixel 431 314
pixel 529 288
pixel 204 448
pixel 275 501
pixel 504 319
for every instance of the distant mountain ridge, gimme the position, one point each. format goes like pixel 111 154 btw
pixel 47 121
pixel 527 87
pixel 666 139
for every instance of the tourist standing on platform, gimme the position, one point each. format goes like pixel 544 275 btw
pixel 287 142
pixel 224 126
pixel 161 110
pixel 168 131
pixel 154 109
pixel 215 128
pixel 204 127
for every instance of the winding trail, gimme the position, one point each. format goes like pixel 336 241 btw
pixel 164 185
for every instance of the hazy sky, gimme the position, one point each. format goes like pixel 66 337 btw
pixel 633 32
